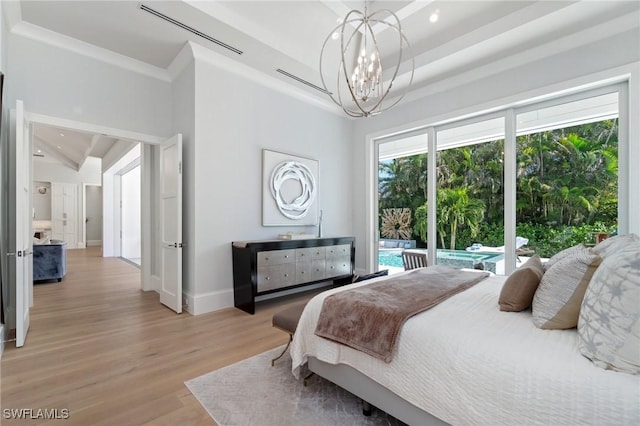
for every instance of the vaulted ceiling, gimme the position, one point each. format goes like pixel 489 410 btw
pixel 451 41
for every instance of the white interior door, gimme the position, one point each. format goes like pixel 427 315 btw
pixel 20 222
pixel 171 222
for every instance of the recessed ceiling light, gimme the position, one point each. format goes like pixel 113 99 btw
pixel 61 134
pixel 39 151
pixel 59 147
pixel 433 18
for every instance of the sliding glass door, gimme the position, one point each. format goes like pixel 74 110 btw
pixel 402 196
pixel 470 194
pixel 567 174
pixel 507 185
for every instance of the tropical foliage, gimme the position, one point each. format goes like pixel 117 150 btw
pixel 566 179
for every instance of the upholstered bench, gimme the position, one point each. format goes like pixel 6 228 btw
pixel 287 320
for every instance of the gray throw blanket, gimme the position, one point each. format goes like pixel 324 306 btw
pixel 369 318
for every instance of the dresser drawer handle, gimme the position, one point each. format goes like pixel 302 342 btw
pixel 302 272
pixel 286 256
pixel 318 270
pixel 301 254
pixel 267 278
pixel 266 258
pixel 286 275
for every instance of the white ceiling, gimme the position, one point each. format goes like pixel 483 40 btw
pixel 476 36
pixel 69 147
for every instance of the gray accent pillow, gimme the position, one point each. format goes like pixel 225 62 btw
pixel 518 290
pixel 556 304
pixel 609 324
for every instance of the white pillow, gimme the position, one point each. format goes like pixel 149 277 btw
pixel 609 323
pixel 615 244
pixel 563 254
pixel 556 304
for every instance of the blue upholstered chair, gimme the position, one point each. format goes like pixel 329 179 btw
pixel 50 261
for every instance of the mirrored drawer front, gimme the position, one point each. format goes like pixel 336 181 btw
pixel 276 276
pixel 338 267
pixel 310 253
pixel 310 271
pixel 342 251
pixel 276 257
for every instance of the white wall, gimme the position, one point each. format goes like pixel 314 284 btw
pixel 41 202
pixel 60 83
pixel 236 118
pixel 111 187
pixel 3 38
pixel 3 133
pixel 131 230
pixel 579 66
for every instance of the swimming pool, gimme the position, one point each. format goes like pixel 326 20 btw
pixel 457 258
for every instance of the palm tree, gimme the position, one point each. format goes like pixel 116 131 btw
pixel 461 210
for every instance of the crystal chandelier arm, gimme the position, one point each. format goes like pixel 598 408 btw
pixel 397 27
pixel 343 49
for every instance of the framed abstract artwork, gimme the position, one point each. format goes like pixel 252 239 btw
pixel 289 190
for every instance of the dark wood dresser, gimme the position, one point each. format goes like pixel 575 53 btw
pixel 270 266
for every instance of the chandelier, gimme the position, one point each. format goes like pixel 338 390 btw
pixel 362 80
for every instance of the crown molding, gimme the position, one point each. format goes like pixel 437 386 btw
pixel 181 61
pixel 37 33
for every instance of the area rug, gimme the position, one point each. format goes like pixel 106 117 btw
pixel 251 392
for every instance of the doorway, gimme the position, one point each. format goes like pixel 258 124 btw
pixel 163 156
pixel 153 166
pixel 130 215
pixel 93 215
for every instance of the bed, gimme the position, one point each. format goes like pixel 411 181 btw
pixel 465 362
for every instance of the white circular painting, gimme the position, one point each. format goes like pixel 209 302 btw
pixel 293 188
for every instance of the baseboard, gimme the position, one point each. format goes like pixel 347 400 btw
pixel 156 283
pixel 209 302
pixel 92 243
pixel 81 245
pixel 2 339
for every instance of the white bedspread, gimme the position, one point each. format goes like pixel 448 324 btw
pixel 468 363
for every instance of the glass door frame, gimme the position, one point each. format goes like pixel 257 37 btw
pixel 625 192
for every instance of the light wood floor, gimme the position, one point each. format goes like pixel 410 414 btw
pixel 113 355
